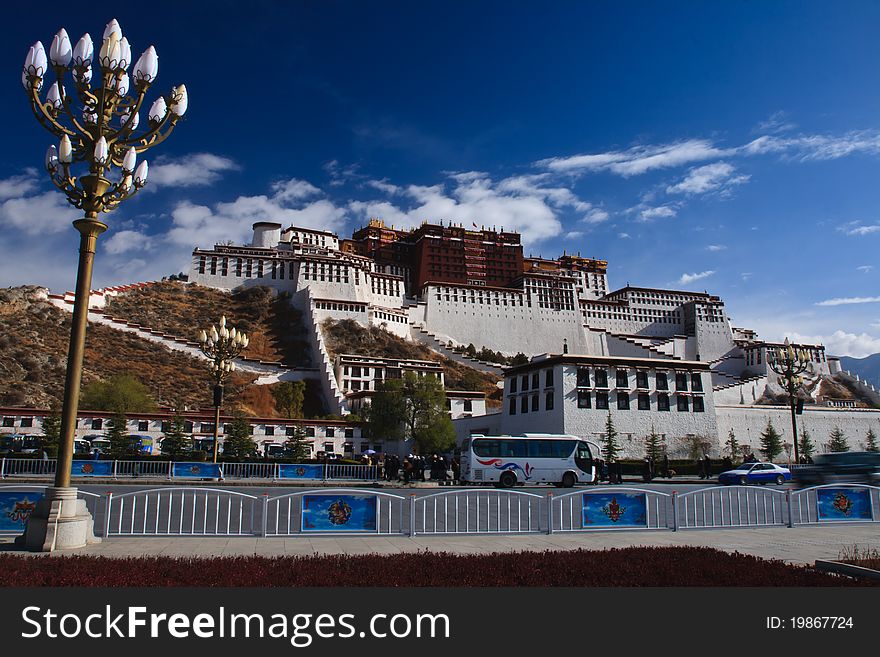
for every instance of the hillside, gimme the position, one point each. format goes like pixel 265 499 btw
pixel 274 327
pixel 348 337
pixel 868 368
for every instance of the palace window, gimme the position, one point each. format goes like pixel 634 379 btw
pixel 622 379
pixel 644 401
pixel 696 383
pixel 583 377
pixel 584 399
pixel 641 379
pixel 623 401
pixel 535 403
pixel 601 377
pixel 683 403
pixel 662 402
pixel 548 402
pixel 699 406
pixel 662 382
pixel 602 400
pixel 681 383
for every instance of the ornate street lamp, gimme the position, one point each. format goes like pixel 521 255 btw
pixel 96 123
pixel 221 347
pixel 789 363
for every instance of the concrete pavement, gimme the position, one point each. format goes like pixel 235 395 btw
pixel 799 545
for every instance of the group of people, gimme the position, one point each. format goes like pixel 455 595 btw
pixel 704 466
pixel 416 467
pixel 611 471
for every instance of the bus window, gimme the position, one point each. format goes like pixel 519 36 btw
pixel 513 448
pixel 541 449
pixel 563 448
pixel 584 451
pixel 485 447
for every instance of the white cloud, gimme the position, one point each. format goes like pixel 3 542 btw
pixel 716 247
pixel 746 275
pixel 623 236
pixel 596 216
pixel 196 169
pixel 124 241
pixel 855 229
pixel 18 186
pixel 865 268
pixel 518 203
pixel 841 343
pixel 663 211
pixel 384 186
pixel 638 159
pixel 844 301
pixel 293 190
pixel 573 235
pixel 776 123
pixel 690 278
pixel 715 177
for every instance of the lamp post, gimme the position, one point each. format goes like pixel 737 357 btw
pixel 789 363
pixel 96 124
pixel 221 347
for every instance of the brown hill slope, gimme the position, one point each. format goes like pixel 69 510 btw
pixel 348 337
pixel 274 327
pixel 34 337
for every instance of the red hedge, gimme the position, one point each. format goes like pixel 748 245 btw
pixel 646 566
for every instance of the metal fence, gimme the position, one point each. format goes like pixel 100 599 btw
pixel 22 498
pixel 193 511
pixel 476 512
pixel 158 469
pixel 370 512
pixel 635 508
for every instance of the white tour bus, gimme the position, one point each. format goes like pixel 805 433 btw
pixel 531 458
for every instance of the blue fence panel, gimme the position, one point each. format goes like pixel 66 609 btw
pixel 196 470
pixel 92 469
pixel 15 509
pixel 300 471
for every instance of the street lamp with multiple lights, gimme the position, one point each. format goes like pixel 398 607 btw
pixel 789 363
pixel 221 347
pixel 96 123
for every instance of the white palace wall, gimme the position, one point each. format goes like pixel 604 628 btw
pixel 748 422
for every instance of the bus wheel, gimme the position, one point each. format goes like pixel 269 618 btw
pixel 507 479
pixel 568 480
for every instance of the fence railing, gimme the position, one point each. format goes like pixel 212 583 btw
pixel 15 467
pixel 476 512
pixel 17 502
pixel 611 508
pixel 205 512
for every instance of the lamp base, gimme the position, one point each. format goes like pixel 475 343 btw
pixel 60 521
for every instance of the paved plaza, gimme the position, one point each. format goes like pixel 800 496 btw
pixel 800 545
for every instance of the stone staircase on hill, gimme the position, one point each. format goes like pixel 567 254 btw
pixel 725 381
pixel 434 343
pixel 645 344
pixel 267 371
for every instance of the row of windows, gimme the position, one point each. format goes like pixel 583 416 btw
pixel 535 379
pixel 525 404
pixel 344 307
pixel 643 401
pixel 661 380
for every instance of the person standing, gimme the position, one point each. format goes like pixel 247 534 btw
pixel 665 470
pixel 707 467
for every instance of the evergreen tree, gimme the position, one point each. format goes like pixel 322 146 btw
pixel 296 447
pixel 289 397
pixel 427 420
pixel 120 444
pixel 838 441
pixel 238 443
pixel 52 430
pixel 653 446
pixel 871 441
pixel 806 448
pixel 176 443
pixel 771 442
pixel 732 444
pixel 121 393
pixel 610 449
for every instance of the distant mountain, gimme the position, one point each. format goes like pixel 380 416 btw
pixel 867 368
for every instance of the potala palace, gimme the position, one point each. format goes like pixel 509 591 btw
pixel 667 359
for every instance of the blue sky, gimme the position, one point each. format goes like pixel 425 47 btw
pixel 731 148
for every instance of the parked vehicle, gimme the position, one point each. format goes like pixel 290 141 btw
pixel 81 446
pixel 755 473
pixel 19 443
pixel 852 467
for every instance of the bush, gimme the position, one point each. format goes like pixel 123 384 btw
pixel 651 566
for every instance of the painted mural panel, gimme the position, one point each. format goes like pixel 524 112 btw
pixel 615 510
pixel 339 513
pixel 843 504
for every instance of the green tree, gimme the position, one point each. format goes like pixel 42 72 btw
pixel 871 441
pixel 176 443
pixel 296 447
pixel 471 350
pixel 384 417
pixel 117 433
pixel 427 421
pixel 239 443
pixel 771 442
pixel 121 393
pixel 610 449
pixel 519 359
pixel 52 430
pixel 653 446
pixel 838 442
pixel 806 448
pixel 732 444
pixel 289 397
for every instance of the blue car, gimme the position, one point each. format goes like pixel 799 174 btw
pixel 755 473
